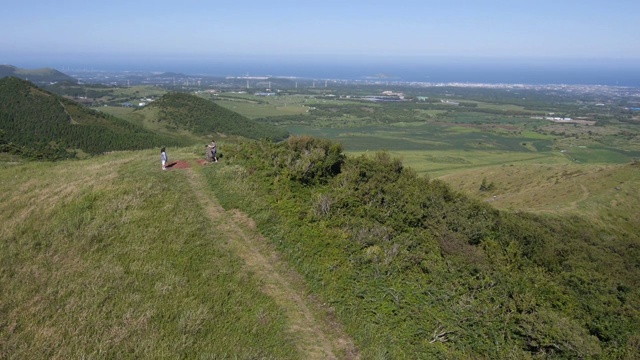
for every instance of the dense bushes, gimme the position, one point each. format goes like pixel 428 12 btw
pixel 417 270
pixel 306 160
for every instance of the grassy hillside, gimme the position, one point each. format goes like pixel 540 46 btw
pixel 113 258
pixel 45 75
pixel 604 194
pixel 415 269
pixel 39 124
pixel 177 111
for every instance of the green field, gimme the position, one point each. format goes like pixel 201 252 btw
pixel 438 163
pixel 432 138
pixel 255 107
pixel 518 153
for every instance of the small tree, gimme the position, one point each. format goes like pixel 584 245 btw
pixel 486 187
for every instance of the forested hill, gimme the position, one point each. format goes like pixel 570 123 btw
pixel 203 117
pixel 45 75
pixel 38 124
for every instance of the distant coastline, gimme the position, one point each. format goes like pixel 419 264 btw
pixel 615 73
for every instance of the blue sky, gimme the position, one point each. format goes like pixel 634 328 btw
pixel 182 29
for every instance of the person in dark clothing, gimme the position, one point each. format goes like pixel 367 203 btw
pixel 214 151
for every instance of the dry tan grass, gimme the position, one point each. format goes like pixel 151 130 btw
pixel 37 197
pixel 601 193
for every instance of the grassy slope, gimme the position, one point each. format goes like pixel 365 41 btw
pixel 113 258
pixel 38 75
pixel 605 194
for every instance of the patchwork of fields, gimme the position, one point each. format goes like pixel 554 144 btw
pixel 485 133
pixel 436 140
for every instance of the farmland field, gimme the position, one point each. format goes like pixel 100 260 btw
pixel 436 140
pixel 507 142
pixel 453 130
pixel 438 130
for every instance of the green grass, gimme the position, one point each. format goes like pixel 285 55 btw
pixel 421 140
pixel 140 91
pixel 439 163
pixel 596 155
pixel 112 258
pixel 534 135
pixel 430 113
pixel 502 107
pixel 126 113
pixel 255 111
pixel 254 107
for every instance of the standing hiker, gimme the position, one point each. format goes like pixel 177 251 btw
pixel 164 158
pixel 214 150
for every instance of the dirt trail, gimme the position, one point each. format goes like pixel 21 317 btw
pixel 318 336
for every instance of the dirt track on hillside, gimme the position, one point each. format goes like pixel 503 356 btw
pixel 318 335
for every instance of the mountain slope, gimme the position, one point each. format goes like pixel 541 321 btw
pixel 415 269
pixel 40 124
pixel 110 257
pixel 45 75
pixel 203 117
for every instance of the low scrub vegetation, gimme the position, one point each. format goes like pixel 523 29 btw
pixel 415 269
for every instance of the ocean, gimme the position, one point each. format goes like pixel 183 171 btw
pixel 486 71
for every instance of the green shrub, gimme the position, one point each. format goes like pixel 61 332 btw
pixel 415 269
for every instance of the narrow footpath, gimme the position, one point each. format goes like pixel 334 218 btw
pixel 317 334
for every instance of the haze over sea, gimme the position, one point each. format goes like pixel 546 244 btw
pixel 435 70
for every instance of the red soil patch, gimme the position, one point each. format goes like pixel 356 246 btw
pixel 178 165
pixel 202 161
